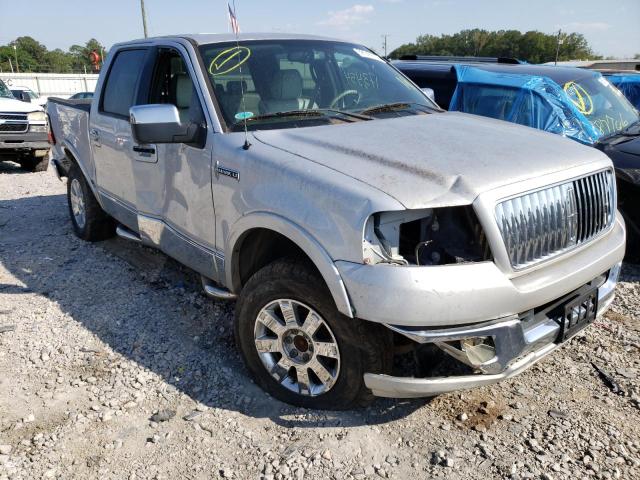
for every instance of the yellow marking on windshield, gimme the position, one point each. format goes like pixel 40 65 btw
pixel 216 66
pixel 579 97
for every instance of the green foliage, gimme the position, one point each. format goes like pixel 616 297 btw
pixel 32 56
pixel 533 46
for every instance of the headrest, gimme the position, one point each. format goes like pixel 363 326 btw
pixel 286 85
pixel 183 90
pixel 236 87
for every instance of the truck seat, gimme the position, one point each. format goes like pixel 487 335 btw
pixel 286 93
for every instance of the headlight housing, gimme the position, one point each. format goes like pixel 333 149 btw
pixel 37 117
pixel 439 236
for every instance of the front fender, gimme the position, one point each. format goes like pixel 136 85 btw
pixel 298 235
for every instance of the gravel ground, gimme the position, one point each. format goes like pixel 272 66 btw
pixel 119 367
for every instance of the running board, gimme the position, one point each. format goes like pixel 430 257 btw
pixel 214 291
pixel 124 232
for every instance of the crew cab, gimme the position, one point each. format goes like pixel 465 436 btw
pixel 573 102
pixel 23 132
pixel 350 218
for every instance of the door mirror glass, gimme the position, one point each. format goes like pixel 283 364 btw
pixel 429 93
pixel 160 123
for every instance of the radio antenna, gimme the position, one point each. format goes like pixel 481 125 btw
pixel 236 28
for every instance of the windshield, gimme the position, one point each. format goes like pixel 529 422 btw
pixel 602 104
pixel 4 91
pixel 274 83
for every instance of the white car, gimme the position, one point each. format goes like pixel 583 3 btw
pixel 27 95
pixel 24 132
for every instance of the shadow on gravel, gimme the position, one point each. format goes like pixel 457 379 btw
pixel 151 310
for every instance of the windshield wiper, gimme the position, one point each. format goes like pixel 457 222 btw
pixel 315 113
pixel 390 107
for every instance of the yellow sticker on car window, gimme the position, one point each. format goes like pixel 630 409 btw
pixel 224 61
pixel 579 97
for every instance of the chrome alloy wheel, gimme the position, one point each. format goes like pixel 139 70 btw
pixel 297 347
pixel 77 203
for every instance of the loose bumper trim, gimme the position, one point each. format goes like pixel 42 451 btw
pixel 519 343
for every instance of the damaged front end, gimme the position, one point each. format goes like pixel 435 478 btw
pixel 426 237
pixel 433 361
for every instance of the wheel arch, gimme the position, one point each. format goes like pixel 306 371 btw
pixel 73 156
pixel 274 236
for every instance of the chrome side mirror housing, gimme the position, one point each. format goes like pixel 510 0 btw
pixel 160 123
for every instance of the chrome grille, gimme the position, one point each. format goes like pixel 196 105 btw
pixel 13 116
pixel 547 222
pixel 13 127
pixel 13 123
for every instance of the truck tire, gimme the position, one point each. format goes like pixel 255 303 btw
pixel 316 358
pixel 89 221
pixel 34 164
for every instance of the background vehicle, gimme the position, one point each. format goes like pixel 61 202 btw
pixel 23 132
pixel 27 95
pixel 349 215
pixel 81 95
pixel 573 102
pixel 628 83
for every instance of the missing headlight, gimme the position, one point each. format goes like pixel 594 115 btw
pixel 439 236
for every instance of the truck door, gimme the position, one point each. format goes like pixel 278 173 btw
pixel 110 135
pixel 173 181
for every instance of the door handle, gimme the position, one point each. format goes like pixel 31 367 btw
pixel 144 150
pixel 94 134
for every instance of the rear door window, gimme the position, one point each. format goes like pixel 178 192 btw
pixel 121 82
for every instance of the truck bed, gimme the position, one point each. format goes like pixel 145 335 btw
pixel 70 125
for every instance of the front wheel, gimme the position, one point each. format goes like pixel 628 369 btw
pixel 299 348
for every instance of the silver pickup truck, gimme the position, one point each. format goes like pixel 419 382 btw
pixel 375 244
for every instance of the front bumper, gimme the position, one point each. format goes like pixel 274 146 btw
pixel 519 342
pixel 28 141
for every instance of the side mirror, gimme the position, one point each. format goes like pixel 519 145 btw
pixel 24 96
pixel 429 93
pixel 160 123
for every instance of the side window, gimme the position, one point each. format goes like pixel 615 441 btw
pixel 172 84
pixel 120 85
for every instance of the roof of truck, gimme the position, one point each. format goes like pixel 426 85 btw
pixel 207 38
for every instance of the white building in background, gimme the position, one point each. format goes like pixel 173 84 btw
pixel 52 84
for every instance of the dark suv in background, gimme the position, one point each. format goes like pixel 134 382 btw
pixel 576 103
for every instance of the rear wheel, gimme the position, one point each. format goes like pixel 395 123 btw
pixel 297 345
pixel 34 164
pixel 89 221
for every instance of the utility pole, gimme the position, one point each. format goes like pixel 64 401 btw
pixel 558 43
pixel 10 65
pixel 15 51
pixel 144 19
pixel 384 44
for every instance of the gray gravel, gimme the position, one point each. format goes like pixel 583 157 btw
pixel 119 367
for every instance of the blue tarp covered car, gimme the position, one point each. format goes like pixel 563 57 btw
pixel 534 101
pixel 583 110
pixel 628 84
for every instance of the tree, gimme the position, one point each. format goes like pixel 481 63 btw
pixel 532 46
pixel 34 57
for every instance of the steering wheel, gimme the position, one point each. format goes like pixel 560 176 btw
pixel 343 95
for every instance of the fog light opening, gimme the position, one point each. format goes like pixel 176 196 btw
pixel 474 351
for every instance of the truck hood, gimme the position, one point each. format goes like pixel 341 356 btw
pixel 442 159
pixel 17 106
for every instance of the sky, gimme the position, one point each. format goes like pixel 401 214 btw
pixel 611 27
